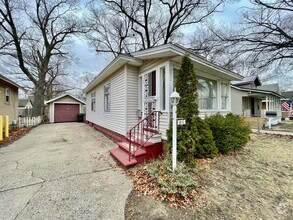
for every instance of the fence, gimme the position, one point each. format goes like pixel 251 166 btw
pixel 29 121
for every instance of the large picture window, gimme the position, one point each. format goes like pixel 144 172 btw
pixel 93 101
pixel 107 97
pixel 224 95
pixel 207 94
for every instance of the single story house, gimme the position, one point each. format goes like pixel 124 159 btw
pixel 64 108
pixel 25 107
pixel 9 99
pixel 251 99
pixel 123 99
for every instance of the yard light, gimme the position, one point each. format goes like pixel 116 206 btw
pixel 174 98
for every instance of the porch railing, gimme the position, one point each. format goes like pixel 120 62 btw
pixel 143 131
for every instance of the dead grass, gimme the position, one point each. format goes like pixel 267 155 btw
pixel 256 183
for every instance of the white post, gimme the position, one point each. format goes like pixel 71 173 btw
pixel 174 138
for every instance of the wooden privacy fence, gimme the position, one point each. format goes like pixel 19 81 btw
pixel 29 121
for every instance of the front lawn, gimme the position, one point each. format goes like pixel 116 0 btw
pixel 255 183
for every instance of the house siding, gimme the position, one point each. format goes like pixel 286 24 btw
pixel 114 119
pixel 237 101
pixel 132 96
pixel 164 124
pixel 11 108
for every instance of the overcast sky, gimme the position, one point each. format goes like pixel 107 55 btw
pixel 89 61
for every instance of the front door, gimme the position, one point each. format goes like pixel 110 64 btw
pixel 149 93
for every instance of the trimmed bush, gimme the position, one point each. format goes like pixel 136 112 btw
pixel 230 132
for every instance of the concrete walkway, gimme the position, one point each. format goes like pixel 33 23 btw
pixel 61 171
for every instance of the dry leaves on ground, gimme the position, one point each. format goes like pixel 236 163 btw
pixel 14 135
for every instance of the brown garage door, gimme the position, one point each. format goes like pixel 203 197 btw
pixel 66 112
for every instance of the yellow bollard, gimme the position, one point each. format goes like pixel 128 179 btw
pixel 6 134
pixel 1 128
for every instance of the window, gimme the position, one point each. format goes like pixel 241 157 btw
pixel 7 95
pixel 93 101
pixel 207 94
pixel 107 97
pixel 224 95
pixel 163 88
pixel 175 73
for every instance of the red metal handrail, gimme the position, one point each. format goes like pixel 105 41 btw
pixel 144 130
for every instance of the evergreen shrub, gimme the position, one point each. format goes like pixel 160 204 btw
pixel 194 139
pixel 230 132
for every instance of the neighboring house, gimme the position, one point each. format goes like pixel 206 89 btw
pixel 251 99
pixel 64 108
pixel 9 99
pixel 134 85
pixel 25 107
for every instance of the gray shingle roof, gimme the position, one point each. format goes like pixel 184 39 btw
pixel 247 80
pixel 270 87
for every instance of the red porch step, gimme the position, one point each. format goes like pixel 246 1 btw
pixel 122 157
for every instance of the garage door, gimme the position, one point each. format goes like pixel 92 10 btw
pixel 66 112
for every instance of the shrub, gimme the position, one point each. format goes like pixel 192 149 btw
pixel 194 138
pixel 230 132
pixel 178 182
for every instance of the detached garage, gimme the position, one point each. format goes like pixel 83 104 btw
pixel 64 108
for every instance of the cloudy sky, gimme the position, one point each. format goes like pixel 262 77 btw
pixel 89 61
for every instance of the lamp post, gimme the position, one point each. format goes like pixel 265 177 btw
pixel 175 97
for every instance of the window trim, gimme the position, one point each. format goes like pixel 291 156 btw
pixel 227 95
pixel 108 95
pixel 163 88
pixel 216 90
pixel 93 101
pixel 7 95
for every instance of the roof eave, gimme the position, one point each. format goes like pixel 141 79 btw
pixel 117 63
pixel 177 49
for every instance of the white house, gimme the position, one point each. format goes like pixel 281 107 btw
pixel 134 85
pixel 251 99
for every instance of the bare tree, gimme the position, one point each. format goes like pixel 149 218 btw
pixel 266 34
pixel 145 23
pixel 34 33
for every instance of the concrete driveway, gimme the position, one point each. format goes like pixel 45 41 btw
pixel 61 171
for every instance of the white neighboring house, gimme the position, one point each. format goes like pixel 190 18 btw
pixel 133 85
pixel 251 99
pixel 25 107
pixel 64 108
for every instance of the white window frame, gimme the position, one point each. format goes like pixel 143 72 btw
pixel 216 108
pixel 7 95
pixel 107 97
pixel 163 88
pixel 227 95
pixel 93 101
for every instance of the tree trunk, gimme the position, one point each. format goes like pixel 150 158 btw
pixel 38 108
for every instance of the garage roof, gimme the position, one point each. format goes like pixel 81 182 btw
pixel 62 96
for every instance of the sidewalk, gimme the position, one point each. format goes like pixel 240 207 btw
pixel 268 131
